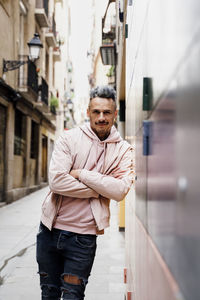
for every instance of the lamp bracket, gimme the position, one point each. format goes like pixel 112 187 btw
pixel 9 65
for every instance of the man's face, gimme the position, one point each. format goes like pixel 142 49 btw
pixel 102 112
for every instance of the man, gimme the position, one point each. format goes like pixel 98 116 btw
pixel 90 165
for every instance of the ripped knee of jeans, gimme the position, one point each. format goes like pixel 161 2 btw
pixel 72 279
pixel 43 274
pixel 50 290
pixel 73 285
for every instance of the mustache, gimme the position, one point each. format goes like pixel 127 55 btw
pixel 103 122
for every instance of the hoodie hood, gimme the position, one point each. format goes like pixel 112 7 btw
pixel 113 137
pixel 97 153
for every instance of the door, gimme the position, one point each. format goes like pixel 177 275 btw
pixel 44 158
pixel 2 150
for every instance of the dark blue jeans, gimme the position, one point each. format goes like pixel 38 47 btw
pixel 61 253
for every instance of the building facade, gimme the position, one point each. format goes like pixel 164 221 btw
pixel 28 96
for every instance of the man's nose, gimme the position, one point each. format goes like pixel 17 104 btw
pixel 101 116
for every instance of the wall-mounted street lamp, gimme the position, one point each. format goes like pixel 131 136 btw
pixel 34 50
pixel 70 105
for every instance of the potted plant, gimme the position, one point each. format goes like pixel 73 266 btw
pixel 54 103
pixel 111 74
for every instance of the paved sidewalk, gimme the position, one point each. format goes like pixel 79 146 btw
pixel 18 269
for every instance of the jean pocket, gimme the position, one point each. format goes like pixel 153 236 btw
pixel 86 241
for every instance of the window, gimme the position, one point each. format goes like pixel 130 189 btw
pixel 19 142
pixel 34 139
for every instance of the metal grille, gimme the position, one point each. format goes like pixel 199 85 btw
pixel 44 91
pixel 32 77
pixel 27 76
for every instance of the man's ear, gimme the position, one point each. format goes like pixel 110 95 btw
pixel 116 112
pixel 88 112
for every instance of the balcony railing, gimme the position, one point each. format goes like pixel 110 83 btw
pixel 32 77
pixel 44 91
pixel 28 77
pixel 108 49
pixel 108 37
pixel 53 110
pixel 57 53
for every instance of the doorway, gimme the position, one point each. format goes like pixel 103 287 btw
pixel 2 150
pixel 44 158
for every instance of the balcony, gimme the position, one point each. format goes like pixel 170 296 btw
pixel 53 110
pixel 108 48
pixel 50 34
pixel 41 12
pixel 44 88
pixel 51 114
pixel 28 80
pixel 43 100
pixel 108 37
pixel 43 97
pixel 57 54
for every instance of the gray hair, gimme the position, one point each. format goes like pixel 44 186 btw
pixel 104 91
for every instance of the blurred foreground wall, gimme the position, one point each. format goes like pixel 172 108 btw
pixel 163 123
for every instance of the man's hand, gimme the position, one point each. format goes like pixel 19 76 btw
pixel 75 173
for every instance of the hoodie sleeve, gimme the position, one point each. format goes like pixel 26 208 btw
pixel 115 185
pixel 60 182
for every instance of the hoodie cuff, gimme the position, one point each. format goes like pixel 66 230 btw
pixel 82 176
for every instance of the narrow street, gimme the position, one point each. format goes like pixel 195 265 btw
pixel 18 269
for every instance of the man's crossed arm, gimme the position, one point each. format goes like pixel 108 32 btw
pixel 81 183
pixel 107 185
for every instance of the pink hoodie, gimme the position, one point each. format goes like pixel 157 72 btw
pixel 113 181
